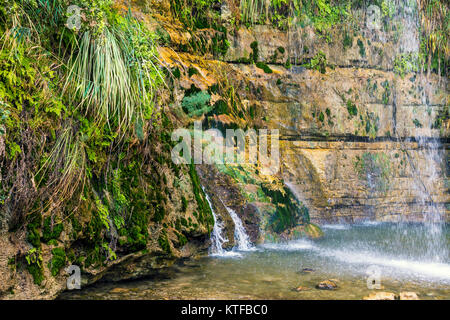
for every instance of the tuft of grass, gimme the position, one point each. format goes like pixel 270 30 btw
pixel 114 75
pixel 64 170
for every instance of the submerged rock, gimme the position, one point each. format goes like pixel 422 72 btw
pixel 300 289
pixel 306 270
pixel 118 290
pixel 327 285
pixel 408 296
pixel 381 296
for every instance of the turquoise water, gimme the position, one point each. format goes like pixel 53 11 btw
pixel 273 270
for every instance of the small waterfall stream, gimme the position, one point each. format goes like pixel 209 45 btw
pixel 218 239
pixel 242 239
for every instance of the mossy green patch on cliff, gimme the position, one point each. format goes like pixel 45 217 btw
pixel 362 49
pixel 351 108
pixel 34 264
pixel 164 242
pixel 51 231
pixel 205 213
pixel 264 67
pixel 197 104
pixel 289 211
pixel 58 261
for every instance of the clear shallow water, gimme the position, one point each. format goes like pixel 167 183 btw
pixel 273 270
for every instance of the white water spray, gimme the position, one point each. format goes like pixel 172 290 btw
pixel 217 237
pixel 241 238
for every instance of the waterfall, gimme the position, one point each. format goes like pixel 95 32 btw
pixel 241 238
pixel 427 177
pixel 217 237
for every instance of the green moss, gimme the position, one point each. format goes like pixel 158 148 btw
pixel 37 273
pixel 51 232
pixel 33 229
pixel 417 123
pixel 289 211
pixel 34 265
pixel 176 73
pixel 321 116
pixel 264 66
pixel 351 108
pixel 181 239
pixel 347 41
pixel 164 242
pixel 377 166
pixel 184 204
pixel 387 91
pixel 205 213
pixel 254 56
pixel 319 62
pixel 220 107
pixel 58 261
pixel 362 50
pixel 192 71
pixel 288 64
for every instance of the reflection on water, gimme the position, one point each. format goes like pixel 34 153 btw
pixel 273 270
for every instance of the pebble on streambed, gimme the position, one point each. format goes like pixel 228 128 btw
pixel 306 271
pixel 330 284
pixel 300 289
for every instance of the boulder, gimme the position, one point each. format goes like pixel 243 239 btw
pixel 381 296
pixel 408 296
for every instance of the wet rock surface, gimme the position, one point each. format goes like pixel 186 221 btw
pixel 327 285
pixel 381 296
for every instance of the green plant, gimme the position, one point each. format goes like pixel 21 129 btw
pixel 264 67
pixel 405 63
pixel 252 10
pixel 319 62
pixel 417 123
pixel 197 104
pixel 362 50
pixel 347 42
pixel 50 231
pixel 351 108
pixel 114 75
pixel 387 91
pixel 4 117
pixel 34 264
pixel 58 261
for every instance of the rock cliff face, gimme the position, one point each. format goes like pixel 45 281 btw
pixel 361 137
pixel 339 128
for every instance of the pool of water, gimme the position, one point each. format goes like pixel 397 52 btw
pixel 403 254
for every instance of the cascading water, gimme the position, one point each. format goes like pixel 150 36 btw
pixel 217 237
pixel 430 243
pixel 430 237
pixel 242 239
